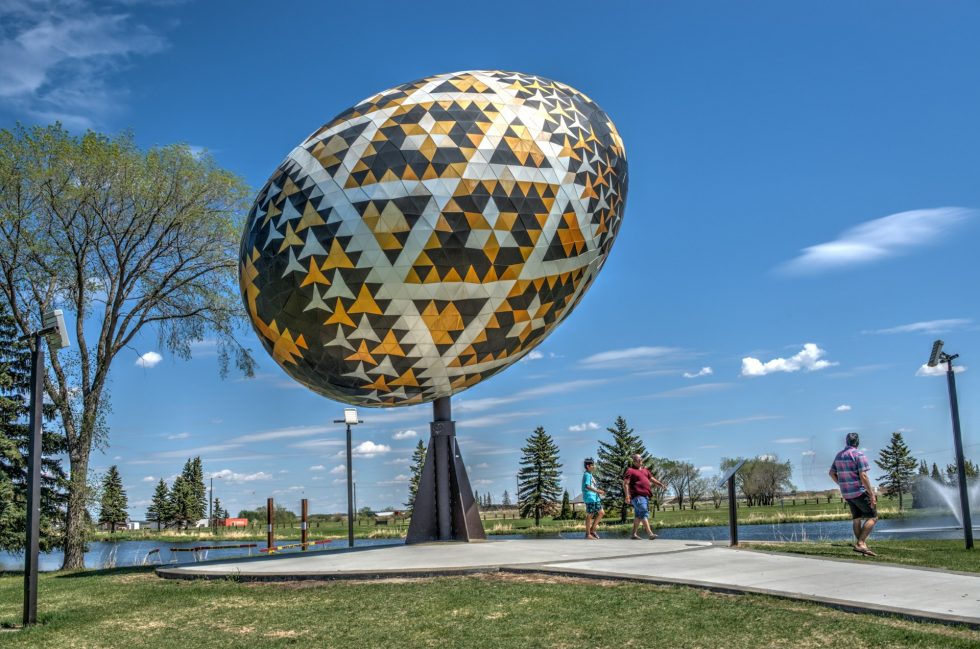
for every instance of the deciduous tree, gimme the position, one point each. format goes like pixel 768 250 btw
pixel 124 241
pixel 418 461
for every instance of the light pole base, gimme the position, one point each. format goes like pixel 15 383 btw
pixel 444 508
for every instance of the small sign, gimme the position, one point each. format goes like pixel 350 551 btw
pixel 730 473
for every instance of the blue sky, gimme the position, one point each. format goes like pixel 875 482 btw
pixel 802 220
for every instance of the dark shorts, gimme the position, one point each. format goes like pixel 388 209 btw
pixel 861 507
pixel 593 508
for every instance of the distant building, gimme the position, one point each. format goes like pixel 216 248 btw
pixel 233 522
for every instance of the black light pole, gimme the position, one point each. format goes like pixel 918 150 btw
pixel 52 328
pixel 350 418
pixel 939 356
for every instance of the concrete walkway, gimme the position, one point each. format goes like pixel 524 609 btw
pixel 916 593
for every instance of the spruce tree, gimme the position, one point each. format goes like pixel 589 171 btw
pixel 113 503
pixel 538 489
pixel 219 513
pixel 159 509
pixel 15 434
pixel 935 474
pixel 505 499
pixel 613 460
pixel 183 505
pixel 194 474
pixel 418 461
pixel 899 466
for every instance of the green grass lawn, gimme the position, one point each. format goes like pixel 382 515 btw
pixel 134 608
pixel 948 555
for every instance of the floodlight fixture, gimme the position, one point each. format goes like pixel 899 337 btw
pixel 350 416
pixel 935 356
pixel 55 331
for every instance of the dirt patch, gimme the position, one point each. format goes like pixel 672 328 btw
pixel 542 578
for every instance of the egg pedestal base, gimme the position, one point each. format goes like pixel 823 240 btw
pixel 444 508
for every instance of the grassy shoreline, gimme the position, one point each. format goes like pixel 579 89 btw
pixel 501 526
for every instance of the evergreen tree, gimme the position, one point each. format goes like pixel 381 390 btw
pixel 921 497
pixel 935 474
pixel 899 466
pixel 113 503
pixel 418 461
pixel 505 499
pixel 183 505
pixel 538 488
pixel 218 513
pixel 971 470
pixel 194 474
pixel 489 500
pixel 159 509
pixel 15 393
pixel 566 507
pixel 613 460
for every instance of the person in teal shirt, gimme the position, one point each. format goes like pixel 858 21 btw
pixel 591 496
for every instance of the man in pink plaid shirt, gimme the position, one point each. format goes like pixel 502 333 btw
pixel 850 472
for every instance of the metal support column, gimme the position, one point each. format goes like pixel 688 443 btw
pixel 34 485
pixel 444 507
pixel 960 464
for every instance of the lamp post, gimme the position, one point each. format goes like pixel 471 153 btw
pixel 211 511
pixel 939 356
pixel 350 418
pixel 53 329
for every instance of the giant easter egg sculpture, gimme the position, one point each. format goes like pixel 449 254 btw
pixel 431 235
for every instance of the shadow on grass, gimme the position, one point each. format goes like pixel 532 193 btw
pixel 104 572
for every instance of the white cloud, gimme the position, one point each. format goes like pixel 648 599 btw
pixel 808 453
pixel 879 239
pixel 290 432
pixel 704 371
pixel 318 467
pixel 399 460
pixel 791 440
pixel 148 478
pixel 340 469
pixel 808 360
pixel 231 476
pixel 148 360
pixel 938 370
pixel 65 50
pixel 627 357
pixel 368 449
pixel 931 327
pixel 585 425
pixel 706 469
pixel 179 436
pixel 404 434
pixel 842 408
pixel 533 355
pixel 766 457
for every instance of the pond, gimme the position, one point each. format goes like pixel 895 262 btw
pixel 140 553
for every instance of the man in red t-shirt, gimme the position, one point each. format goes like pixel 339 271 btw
pixel 636 487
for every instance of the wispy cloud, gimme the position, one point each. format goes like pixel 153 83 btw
pixel 627 357
pixel 939 370
pixel 65 52
pixel 405 434
pixel 879 239
pixel 704 371
pixel 691 390
pixel 179 436
pixel 148 478
pixel 931 327
pixel 740 420
pixel 808 359
pixel 842 408
pixel 317 467
pixel 791 440
pixel 289 432
pixel 148 360
pixel 585 425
